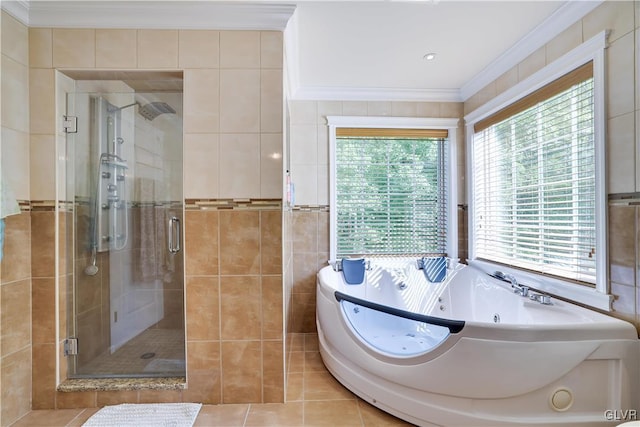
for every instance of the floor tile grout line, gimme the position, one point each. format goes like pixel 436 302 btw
pixel 360 413
pixel 82 411
pixel 246 415
pixel 304 422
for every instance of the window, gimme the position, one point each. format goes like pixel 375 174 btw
pixel 537 192
pixel 390 188
pixel 534 181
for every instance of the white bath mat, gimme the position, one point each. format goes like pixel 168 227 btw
pixel 146 414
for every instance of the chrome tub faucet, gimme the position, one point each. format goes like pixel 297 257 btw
pixel 519 289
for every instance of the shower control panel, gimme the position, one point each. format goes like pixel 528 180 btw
pixel 111 194
pixel 111 203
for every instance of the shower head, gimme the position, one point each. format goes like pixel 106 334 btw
pixel 153 109
pixel 149 111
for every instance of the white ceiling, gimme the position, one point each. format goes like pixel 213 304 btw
pixel 382 44
pixel 353 49
pixel 375 49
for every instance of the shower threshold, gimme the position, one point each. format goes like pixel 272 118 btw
pixel 123 384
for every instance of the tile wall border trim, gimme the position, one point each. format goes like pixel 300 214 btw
pixel 37 205
pixel 189 204
pixel 232 204
pixel 624 199
pixel 310 208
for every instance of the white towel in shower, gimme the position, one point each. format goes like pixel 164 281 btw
pixel 146 264
pixel 145 255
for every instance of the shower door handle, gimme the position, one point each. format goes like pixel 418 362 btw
pixel 174 235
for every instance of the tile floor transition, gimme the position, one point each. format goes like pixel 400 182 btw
pixel 314 398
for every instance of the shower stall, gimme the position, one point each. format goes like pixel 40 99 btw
pixel 124 185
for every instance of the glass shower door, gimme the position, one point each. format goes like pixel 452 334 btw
pixel 124 172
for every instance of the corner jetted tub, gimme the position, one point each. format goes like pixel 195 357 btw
pixel 468 351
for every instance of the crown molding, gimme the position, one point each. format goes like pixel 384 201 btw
pixel 160 14
pixel 19 9
pixel 374 94
pixel 585 52
pixel 566 15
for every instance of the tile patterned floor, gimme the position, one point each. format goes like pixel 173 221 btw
pixel 314 398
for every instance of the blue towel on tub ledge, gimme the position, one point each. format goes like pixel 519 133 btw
pixel 353 270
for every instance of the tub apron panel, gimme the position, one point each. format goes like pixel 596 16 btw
pixel 465 369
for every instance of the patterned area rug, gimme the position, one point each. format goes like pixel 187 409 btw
pixel 146 414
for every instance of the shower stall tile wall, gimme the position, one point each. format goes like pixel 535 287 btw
pixel 220 268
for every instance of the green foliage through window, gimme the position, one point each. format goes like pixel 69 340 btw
pixel 390 195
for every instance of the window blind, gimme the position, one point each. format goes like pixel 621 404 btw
pixel 390 193
pixel 534 186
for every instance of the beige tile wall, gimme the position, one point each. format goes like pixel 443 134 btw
pixel 310 252
pixel 15 319
pixel 623 256
pixel 43 297
pixel 15 113
pixel 623 138
pixel 232 149
pixel 15 269
pixel 235 337
pixel 287 261
pixel 232 100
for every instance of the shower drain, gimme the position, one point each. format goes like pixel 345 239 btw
pixel 147 356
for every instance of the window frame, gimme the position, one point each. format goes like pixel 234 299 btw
pixel 591 50
pixel 450 125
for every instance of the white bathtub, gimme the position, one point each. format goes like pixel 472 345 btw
pixel 470 352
